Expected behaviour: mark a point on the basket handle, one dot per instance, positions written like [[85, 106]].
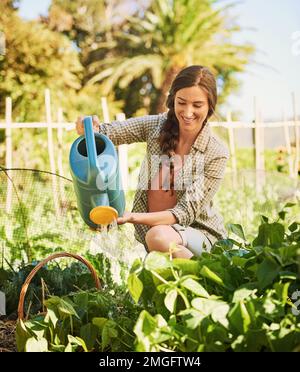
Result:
[[41, 264]]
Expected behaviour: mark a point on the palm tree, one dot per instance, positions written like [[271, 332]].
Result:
[[167, 37]]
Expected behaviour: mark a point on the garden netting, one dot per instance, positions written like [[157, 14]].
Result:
[[39, 216]]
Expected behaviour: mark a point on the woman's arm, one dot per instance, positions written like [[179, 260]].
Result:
[[126, 131], [151, 219]]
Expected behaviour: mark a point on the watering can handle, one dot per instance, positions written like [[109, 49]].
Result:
[[90, 144]]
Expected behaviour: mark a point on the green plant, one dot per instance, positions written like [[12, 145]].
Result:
[[83, 321], [235, 298], [55, 278]]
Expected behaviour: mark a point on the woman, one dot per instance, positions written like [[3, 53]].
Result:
[[182, 170]]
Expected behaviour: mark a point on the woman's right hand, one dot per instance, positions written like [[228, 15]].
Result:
[[80, 126]]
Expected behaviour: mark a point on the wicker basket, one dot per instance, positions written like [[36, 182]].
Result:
[[41, 264]]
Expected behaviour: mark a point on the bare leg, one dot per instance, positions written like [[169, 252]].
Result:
[[158, 238]]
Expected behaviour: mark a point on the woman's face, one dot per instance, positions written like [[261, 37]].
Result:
[[191, 108]]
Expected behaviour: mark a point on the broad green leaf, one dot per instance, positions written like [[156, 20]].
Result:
[[81, 299], [237, 230], [289, 205], [77, 341], [192, 317], [207, 273], [51, 316], [186, 266], [135, 287], [136, 266], [270, 235], [267, 271], [206, 306], [88, 333], [69, 348], [34, 345], [170, 300], [253, 341], [239, 318], [282, 291], [265, 219], [219, 314], [109, 332], [145, 324], [22, 335], [239, 261], [64, 307], [99, 322], [195, 287], [243, 293], [282, 215], [157, 261]]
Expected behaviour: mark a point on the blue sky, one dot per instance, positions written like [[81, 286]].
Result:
[[273, 26]]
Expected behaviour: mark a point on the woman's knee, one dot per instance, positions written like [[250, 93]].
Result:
[[159, 237]]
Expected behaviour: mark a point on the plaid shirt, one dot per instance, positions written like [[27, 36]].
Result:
[[195, 185]]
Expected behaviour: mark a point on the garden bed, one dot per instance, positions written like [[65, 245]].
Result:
[[7, 335]]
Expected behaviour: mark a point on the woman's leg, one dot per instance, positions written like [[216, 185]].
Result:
[[158, 238]]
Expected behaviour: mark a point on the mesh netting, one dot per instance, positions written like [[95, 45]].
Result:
[[39, 216]]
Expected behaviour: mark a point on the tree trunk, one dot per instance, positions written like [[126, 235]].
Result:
[[164, 90]]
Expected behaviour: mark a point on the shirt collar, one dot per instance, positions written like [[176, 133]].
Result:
[[202, 138]]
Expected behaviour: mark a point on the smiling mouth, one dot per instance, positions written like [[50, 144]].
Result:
[[187, 121]]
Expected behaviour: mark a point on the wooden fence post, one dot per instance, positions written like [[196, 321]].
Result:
[[297, 136], [258, 162], [59, 153], [8, 155], [105, 110], [232, 149], [288, 144], [123, 158], [51, 149]]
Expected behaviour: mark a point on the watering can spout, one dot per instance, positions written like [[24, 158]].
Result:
[[102, 213]]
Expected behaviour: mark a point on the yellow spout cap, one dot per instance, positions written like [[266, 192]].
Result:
[[103, 215]]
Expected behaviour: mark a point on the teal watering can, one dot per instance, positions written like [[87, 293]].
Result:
[[96, 177]]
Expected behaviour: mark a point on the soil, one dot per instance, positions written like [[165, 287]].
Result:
[[7, 335]]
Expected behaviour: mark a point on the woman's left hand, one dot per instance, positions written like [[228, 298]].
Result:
[[127, 217]]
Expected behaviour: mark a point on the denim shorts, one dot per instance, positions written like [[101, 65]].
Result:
[[194, 240]]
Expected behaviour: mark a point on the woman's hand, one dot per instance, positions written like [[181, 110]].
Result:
[[127, 217], [80, 126]]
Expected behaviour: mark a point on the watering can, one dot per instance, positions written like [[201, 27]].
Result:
[[96, 178]]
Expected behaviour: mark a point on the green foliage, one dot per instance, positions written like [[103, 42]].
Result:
[[235, 298], [53, 278], [36, 58], [83, 321]]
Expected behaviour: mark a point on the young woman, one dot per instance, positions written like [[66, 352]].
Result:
[[182, 170]]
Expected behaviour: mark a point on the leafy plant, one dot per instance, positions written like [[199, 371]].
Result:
[[83, 321], [235, 298], [53, 279]]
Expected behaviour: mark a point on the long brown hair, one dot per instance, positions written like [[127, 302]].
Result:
[[188, 77]]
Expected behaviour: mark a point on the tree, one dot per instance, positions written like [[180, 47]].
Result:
[[171, 34], [36, 58], [93, 26]]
